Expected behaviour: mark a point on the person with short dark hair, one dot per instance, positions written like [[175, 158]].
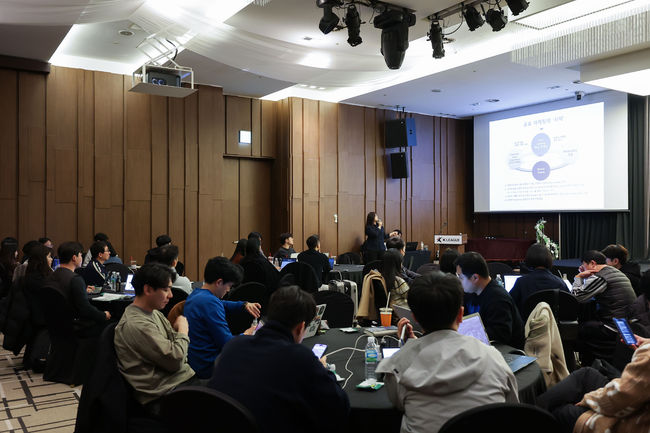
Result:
[[168, 255], [151, 353], [266, 371], [397, 243], [286, 247], [612, 292], [206, 314], [540, 261], [95, 273], [163, 240], [617, 257], [498, 312], [89, 320], [447, 260], [314, 258], [47, 242], [443, 373]]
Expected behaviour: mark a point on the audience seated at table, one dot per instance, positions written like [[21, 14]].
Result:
[[151, 353], [286, 247], [282, 383], [540, 261], [8, 262], [317, 260], [617, 256], [89, 320], [112, 258], [95, 273], [443, 373], [168, 256], [613, 293], [589, 402], [448, 260], [498, 312], [397, 243], [254, 255], [240, 251], [390, 270], [206, 314], [638, 313]]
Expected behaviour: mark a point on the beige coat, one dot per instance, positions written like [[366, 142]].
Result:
[[543, 342], [367, 308], [623, 405]]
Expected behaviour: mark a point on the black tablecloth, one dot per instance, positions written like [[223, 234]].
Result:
[[115, 307], [348, 272], [372, 410]]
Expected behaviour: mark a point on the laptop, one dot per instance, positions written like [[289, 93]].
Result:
[[406, 312], [509, 281], [472, 325], [128, 287], [411, 246], [312, 328], [285, 262], [294, 255]]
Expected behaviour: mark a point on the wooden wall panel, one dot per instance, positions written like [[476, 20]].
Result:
[[176, 125], [159, 169], [268, 128], [9, 152], [191, 185], [85, 158], [328, 168], [230, 232], [238, 117], [296, 172], [255, 201], [311, 169]]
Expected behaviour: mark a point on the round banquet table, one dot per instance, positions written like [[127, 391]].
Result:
[[347, 272], [372, 411]]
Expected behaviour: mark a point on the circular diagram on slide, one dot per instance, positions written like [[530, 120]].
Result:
[[543, 154]]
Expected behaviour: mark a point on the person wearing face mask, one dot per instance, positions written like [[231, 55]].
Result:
[[484, 296]]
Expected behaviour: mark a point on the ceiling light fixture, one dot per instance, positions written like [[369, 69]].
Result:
[[517, 6], [495, 18], [473, 18], [353, 21], [436, 38], [330, 19], [394, 25]]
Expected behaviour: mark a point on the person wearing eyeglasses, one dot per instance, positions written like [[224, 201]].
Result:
[[95, 273]]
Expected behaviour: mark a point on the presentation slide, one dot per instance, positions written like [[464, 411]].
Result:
[[560, 156], [550, 160]]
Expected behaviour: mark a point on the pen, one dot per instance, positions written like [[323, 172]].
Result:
[[401, 338]]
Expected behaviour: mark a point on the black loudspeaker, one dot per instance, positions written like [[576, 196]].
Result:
[[400, 133], [398, 166]]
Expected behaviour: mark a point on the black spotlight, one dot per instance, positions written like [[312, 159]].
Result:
[[353, 21], [517, 6], [329, 20], [473, 18], [495, 18], [394, 25], [437, 42]]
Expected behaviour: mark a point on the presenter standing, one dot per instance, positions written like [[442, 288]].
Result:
[[374, 247]]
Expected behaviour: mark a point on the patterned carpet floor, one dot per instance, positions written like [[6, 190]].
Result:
[[28, 404]]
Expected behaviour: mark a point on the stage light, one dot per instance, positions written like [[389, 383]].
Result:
[[473, 18], [329, 20], [517, 6], [437, 42], [495, 18], [394, 25], [353, 21]]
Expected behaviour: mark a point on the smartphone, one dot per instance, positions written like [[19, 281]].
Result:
[[625, 331], [319, 349]]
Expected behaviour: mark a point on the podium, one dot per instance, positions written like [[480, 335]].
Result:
[[456, 242]]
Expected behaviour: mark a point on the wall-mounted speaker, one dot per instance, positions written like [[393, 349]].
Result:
[[400, 133], [398, 165]]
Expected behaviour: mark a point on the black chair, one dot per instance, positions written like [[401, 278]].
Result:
[[427, 268], [340, 308], [178, 295], [304, 275], [565, 311], [122, 269], [376, 265], [193, 409], [414, 259], [107, 404], [348, 258], [499, 268], [251, 292], [381, 296], [255, 272], [70, 358], [503, 418]]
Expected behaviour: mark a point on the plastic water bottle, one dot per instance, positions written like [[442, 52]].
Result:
[[372, 358], [500, 280], [118, 282]]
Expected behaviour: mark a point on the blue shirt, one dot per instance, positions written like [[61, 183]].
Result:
[[209, 331]]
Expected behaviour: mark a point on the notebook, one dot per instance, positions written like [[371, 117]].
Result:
[[509, 281], [312, 328]]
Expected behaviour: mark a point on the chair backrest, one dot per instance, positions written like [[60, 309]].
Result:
[[340, 308], [349, 258], [254, 273], [414, 259], [198, 406], [175, 312], [380, 295], [178, 295], [376, 265], [251, 292], [498, 268], [304, 274], [563, 304], [123, 270], [59, 317], [503, 418]]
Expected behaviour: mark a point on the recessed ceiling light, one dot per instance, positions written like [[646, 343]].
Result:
[[307, 38], [321, 88], [553, 87], [492, 100], [475, 104], [302, 85], [436, 90], [577, 82], [312, 87], [125, 32]]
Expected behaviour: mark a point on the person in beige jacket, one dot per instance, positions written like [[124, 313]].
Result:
[[587, 402]]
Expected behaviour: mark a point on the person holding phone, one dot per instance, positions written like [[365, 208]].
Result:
[[374, 247], [589, 402]]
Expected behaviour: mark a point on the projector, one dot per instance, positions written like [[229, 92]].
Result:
[[162, 76], [158, 80]]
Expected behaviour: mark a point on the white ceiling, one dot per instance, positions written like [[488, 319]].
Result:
[[278, 48]]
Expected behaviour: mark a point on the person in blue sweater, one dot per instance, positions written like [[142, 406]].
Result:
[[206, 314]]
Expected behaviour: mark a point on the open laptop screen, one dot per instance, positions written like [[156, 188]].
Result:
[[509, 281], [473, 326]]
